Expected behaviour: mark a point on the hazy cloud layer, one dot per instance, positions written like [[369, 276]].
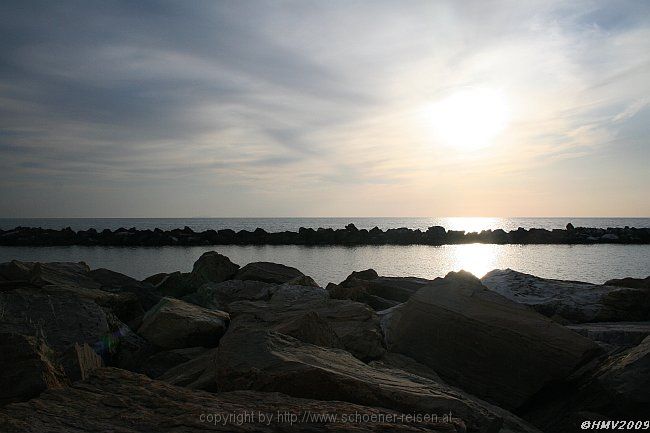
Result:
[[319, 108]]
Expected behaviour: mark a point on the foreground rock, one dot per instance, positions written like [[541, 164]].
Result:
[[175, 324], [258, 359], [114, 400], [571, 301], [614, 388], [477, 339], [378, 292]]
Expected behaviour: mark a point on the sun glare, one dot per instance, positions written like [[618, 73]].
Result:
[[470, 118]]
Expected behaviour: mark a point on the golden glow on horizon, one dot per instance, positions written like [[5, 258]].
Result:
[[470, 118]]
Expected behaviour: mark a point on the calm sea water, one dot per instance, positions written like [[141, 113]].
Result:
[[592, 263], [281, 224]]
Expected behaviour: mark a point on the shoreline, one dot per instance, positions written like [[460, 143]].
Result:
[[350, 235]]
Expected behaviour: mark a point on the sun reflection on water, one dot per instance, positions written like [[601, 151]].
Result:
[[479, 259]]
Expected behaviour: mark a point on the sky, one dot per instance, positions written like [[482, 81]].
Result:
[[324, 108]]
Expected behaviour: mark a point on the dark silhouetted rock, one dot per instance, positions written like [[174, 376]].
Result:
[[27, 368], [634, 283], [220, 295], [212, 267], [159, 363], [175, 324], [310, 328]]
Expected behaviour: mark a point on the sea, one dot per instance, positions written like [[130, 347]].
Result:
[[590, 263]]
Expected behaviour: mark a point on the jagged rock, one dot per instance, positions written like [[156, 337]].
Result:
[[634, 283], [157, 364], [258, 359], [116, 400], [126, 348], [359, 293], [355, 324], [618, 334], [488, 345], [397, 289], [79, 360], [212, 267], [268, 272], [571, 301], [380, 293], [175, 324], [27, 368]]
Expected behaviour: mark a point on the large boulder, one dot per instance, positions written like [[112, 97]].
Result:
[[212, 267], [61, 317], [259, 359], [175, 324], [378, 292], [125, 296], [634, 283], [571, 301], [268, 272], [220, 295], [113, 400], [488, 345], [28, 368], [616, 387]]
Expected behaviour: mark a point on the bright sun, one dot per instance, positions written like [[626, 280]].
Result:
[[470, 118]]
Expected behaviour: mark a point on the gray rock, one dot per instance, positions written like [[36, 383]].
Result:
[[488, 345], [571, 301], [619, 334], [268, 272], [220, 295]]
